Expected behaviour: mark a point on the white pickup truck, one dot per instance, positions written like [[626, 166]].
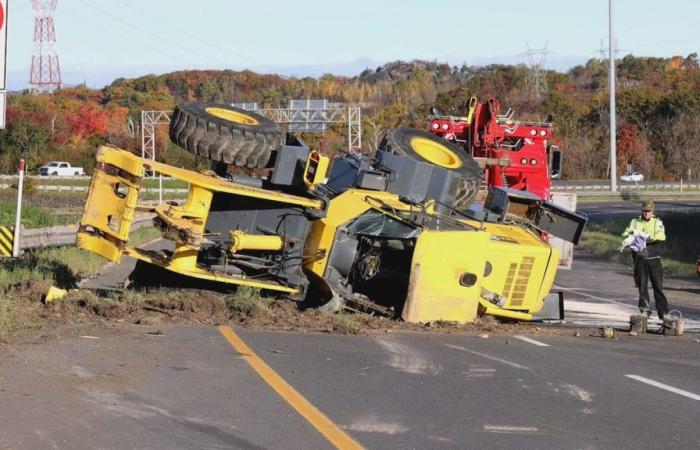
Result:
[[61, 169]]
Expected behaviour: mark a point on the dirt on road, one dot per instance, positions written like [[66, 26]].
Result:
[[37, 321], [33, 320]]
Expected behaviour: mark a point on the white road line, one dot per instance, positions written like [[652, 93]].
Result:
[[507, 429], [665, 387], [531, 341], [577, 292], [577, 289], [492, 358]]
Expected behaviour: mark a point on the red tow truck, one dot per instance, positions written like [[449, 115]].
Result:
[[514, 153]]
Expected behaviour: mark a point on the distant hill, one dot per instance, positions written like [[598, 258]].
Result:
[[658, 108]]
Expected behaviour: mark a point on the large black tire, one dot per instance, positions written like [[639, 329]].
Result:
[[225, 134], [426, 147]]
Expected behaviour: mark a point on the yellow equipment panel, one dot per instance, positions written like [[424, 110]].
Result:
[[446, 275]]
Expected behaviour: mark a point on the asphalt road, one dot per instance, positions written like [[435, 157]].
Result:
[[188, 388], [172, 387]]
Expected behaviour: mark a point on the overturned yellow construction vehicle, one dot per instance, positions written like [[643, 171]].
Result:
[[385, 234]]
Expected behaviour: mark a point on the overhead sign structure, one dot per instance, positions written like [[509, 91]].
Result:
[[3, 44]]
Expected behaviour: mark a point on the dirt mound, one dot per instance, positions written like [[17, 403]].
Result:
[[244, 308], [33, 290]]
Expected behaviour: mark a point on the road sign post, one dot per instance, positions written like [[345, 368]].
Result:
[[3, 59], [18, 214]]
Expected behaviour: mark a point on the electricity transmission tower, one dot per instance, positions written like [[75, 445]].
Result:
[[536, 59], [604, 53], [45, 71]]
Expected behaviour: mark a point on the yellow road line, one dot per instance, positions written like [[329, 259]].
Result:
[[316, 418]]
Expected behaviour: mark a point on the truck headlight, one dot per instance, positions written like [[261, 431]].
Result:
[[494, 298]]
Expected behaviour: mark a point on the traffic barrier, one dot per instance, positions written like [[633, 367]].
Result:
[[7, 240], [61, 235], [53, 188], [677, 187]]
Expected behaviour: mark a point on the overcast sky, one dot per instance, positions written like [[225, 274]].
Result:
[[98, 40]]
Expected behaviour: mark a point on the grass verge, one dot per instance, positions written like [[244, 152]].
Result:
[[600, 242], [34, 217], [60, 266]]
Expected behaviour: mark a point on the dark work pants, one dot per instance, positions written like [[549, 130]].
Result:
[[645, 270]]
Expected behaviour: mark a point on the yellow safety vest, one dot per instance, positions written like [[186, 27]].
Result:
[[654, 227]]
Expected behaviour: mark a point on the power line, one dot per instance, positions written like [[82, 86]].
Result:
[[603, 51], [178, 45], [188, 34], [121, 36]]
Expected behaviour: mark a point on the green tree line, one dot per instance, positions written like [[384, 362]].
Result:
[[658, 105]]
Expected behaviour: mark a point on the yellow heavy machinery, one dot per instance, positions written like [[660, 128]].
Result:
[[378, 234]]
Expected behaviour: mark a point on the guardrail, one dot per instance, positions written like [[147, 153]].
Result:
[[46, 177], [680, 187], [57, 236], [59, 188]]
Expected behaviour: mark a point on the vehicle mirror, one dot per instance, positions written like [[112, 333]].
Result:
[[555, 167]]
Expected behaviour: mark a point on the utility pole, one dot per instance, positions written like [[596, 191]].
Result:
[[611, 79]]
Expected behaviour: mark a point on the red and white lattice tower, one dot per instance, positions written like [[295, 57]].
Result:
[[45, 71]]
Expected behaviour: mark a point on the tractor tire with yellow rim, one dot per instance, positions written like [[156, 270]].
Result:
[[426, 147], [225, 134]]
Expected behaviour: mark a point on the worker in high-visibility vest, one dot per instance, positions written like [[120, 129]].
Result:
[[648, 231]]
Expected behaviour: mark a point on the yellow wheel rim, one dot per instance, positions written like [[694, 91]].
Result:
[[436, 153], [232, 116]]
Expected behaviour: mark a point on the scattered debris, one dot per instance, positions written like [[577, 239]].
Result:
[[638, 323], [148, 320], [607, 332], [53, 294], [155, 333], [246, 308], [673, 326]]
